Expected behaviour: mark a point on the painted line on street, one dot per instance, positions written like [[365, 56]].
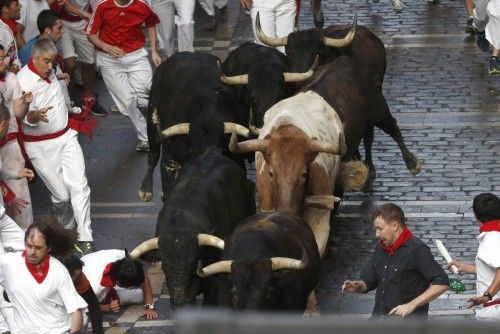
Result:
[[430, 35]]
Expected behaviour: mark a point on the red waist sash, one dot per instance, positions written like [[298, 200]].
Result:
[[10, 136], [492, 302], [35, 138]]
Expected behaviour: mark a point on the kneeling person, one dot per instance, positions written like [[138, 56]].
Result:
[[118, 280]]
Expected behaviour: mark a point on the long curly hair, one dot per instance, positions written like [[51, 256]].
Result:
[[61, 241]]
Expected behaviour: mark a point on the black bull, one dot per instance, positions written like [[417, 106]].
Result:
[[368, 56], [270, 262], [211, 197], [186, 91]]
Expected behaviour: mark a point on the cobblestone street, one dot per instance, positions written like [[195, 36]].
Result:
[[447, 106]]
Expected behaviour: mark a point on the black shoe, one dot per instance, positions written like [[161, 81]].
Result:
[[85, 247], [494, 66], [98, 111], [210, 24], [469, 28], [481, 41]]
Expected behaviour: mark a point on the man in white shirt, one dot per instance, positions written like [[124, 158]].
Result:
[[117, 280], [51, 142], [29, 13], [8, 41], [11, 153], [486, 209], [39, 286]]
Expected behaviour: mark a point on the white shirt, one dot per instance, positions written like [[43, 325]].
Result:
[[11, 91], [9, 44], [487, 263], [39, 308], [95, 263], [29, 15], [44, 95]]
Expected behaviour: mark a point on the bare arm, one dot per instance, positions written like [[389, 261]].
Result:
[[113, 51], [73, 9], [428, 295], [492, 289], [354, 287], [76, 321], [154, 51], [148, 299]]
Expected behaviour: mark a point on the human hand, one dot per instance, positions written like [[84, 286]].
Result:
[[113, 51], [461, 266], [15, 206], [403, 310], [85, 15], [475, 301], [38, 115], [246, 3], [353, 287], [27, 98], [156, 58], [150, 314], [25, 172], [65, 77], [114, 306]]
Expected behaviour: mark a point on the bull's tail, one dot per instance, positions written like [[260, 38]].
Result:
[[353, 174]]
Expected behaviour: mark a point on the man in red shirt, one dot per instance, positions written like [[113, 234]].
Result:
[[115, 29]]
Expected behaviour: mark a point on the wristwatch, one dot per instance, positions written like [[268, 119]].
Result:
[[487, 294], [149, 306]]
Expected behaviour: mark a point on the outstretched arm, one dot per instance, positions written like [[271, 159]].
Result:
[[428, 295]]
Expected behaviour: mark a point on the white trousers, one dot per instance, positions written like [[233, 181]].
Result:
[[60, 164], [172, 13], [493, 26], [128, 80], [480, 14], [209, 5], [277, 18], [12, 159], [11, 239]]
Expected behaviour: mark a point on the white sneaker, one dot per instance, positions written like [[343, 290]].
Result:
[[397, 6], [114, 108]]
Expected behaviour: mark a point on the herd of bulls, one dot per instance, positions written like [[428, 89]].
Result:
[[303, 116]]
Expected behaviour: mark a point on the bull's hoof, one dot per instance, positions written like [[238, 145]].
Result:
[[145, 196], [417, 168]]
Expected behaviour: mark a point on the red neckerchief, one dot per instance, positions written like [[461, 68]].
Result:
[[33, 69], [492, 225], [403, 237], [32, 268], [12, 25], [106, 280]]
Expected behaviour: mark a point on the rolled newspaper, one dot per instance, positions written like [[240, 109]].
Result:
[[446, 255]]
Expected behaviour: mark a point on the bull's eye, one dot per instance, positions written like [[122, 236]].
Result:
[[305, 174], [271, 174]]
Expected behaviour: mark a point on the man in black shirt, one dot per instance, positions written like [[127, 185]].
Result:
[[402, 268]]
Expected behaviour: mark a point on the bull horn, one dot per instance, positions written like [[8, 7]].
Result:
[[176, 130], [324, 202], [240, 130], [297, 77], [233, 80], [325, 147], [216, 268], [255, 130], [145, 247], [279, 263], [269, 41], [210, 240], [342, 42], [246, 146]]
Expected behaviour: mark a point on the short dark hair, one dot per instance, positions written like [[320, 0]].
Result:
[[486, 207], [129, 273], [46, 19], [390, 212], [5, 3], [61, 241], [1, 47]]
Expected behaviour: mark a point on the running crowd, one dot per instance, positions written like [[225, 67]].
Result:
[[46, 46]]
